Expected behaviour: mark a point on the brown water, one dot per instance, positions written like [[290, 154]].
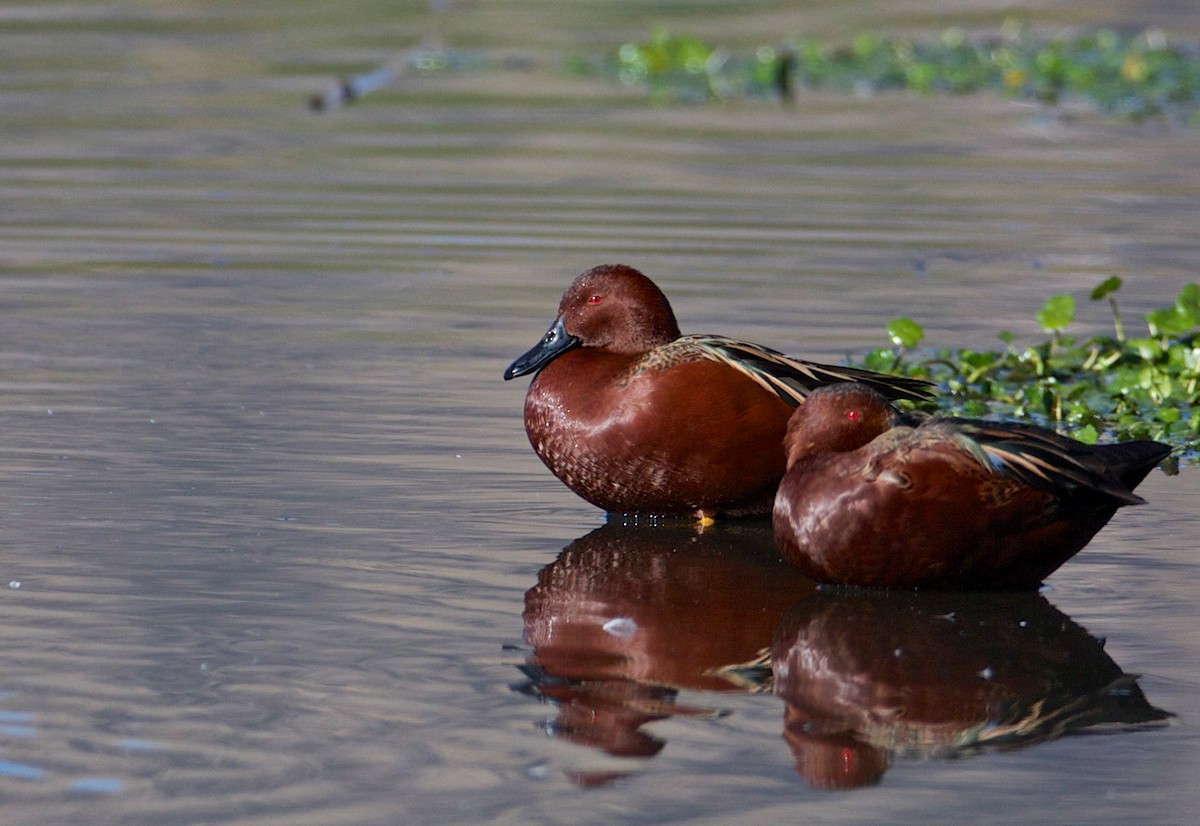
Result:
[[270, 516]]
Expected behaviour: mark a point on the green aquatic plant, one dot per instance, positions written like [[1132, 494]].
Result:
[[1137, 76], [1128, 388], [669, 60]]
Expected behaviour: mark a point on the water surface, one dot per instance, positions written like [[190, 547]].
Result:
[[277, 550]]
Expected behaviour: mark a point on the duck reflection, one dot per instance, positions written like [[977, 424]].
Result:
[[628, 616], [871, 677]]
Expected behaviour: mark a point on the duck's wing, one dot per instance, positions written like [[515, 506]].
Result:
[[1048, 460], [792, 379]]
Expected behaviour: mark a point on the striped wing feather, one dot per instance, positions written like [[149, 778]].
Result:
[[1045, 459], [792, 379]]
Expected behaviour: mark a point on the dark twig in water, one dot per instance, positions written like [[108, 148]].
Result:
[[785, 69], [352, 88], [429, 57]]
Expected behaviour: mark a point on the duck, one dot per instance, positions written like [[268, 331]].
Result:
[[637, 418], [876, 498]]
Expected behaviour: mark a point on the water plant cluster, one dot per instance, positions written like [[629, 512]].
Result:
[[1139, 386], [1134, 75]]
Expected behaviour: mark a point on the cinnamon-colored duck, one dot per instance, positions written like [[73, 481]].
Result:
[[875, 498], [636, 418]]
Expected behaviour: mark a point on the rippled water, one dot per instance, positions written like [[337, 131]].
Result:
[[276, 549]]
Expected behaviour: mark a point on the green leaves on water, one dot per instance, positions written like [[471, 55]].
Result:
[[669, 60], [1146, 387], [1133, 75]]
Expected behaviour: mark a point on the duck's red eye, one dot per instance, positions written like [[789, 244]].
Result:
[[852, 415], [595, 298]]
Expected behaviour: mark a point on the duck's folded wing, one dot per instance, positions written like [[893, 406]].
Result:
[[792, 379], [1045, 459]]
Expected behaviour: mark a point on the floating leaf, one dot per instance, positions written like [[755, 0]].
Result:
[[1106, 287], [1172, 321], [1056, 313], [1188, 302], [1147, 349], [904, 332]]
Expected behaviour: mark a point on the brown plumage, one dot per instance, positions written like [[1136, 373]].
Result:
[[869, 678], [636, 418], [874, 498]]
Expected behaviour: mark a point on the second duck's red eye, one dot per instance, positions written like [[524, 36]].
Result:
[[596, 298], [852, 415]]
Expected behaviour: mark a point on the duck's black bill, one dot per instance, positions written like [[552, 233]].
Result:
[[556, 342]]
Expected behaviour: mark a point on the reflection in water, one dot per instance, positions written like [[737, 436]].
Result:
[[868, 677], [626, 616]]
